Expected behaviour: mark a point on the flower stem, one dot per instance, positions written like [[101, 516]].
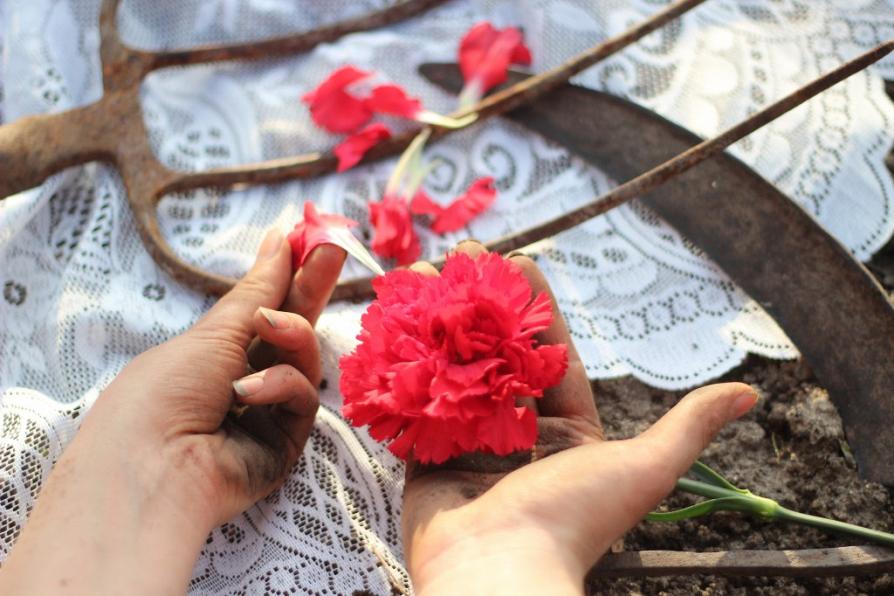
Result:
[[723, 496], [832, 525], [410, 156]]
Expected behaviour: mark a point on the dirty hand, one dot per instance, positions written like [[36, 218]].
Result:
[[534, 523], [159, 461]]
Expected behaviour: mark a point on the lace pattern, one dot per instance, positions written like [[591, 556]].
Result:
[[80, 297]]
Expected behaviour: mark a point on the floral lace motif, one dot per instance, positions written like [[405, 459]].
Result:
[[80, 297]]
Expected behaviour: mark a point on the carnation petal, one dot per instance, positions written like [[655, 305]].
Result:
[[350, 151], [325, 228], [314, 229], [485, 54], [392, 99], [475, 201], [394, 236], [332, 107], [508, 430]]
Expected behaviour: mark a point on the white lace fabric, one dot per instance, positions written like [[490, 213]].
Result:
[[81, 297]]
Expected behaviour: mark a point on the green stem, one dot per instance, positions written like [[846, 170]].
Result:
[[839, 527], [723, 496]]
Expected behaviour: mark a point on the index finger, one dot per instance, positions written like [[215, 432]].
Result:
[[308, 294]]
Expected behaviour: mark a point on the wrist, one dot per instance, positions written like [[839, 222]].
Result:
[[517, 561], [110, 519]]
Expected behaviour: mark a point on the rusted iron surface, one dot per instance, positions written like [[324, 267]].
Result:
[[112, 129], [820, 562], [776, 252], [527, 90]]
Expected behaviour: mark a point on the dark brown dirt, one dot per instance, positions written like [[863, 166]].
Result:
[[791, 448]]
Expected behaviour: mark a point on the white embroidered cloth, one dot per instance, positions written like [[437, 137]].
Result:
[[81, 297]]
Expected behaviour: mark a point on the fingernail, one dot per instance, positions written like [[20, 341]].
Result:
[[270, 245], [744, 402], [275, 319], [516, 253], [248, 385]]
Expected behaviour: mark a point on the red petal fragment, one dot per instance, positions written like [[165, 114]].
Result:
[[509, 429], [333, 108], [392, 99], [350, 151], [485, 54], [476, 200], [394, 236]]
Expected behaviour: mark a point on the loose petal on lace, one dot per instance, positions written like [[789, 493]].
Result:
[[333, 108], [442, 360], [350, 151], [476, 200]]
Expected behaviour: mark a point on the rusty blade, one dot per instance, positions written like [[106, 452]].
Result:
[[775, 251]]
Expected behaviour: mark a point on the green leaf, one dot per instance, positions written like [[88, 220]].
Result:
[[706, 474], [700, 509]]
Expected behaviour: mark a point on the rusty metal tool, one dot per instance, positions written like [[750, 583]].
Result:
[[781, 257], [112, 129]]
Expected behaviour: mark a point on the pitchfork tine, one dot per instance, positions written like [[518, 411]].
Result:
[[293, 44], [317, 163]]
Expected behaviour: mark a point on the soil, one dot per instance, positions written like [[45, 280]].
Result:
[[791, 448]]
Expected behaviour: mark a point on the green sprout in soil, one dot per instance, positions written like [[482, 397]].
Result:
[[726, 497]]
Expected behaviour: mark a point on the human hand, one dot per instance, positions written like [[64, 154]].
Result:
[[159, 460], [536, 522]]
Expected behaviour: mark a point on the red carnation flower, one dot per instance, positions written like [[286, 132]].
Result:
[[485, 54], [442, 360], [462, 210], [350, 151], [333, 108], [394, 236], [315, 229]]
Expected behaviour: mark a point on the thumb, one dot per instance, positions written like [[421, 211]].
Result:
[[682, 434], [314, 282], [265, 284], [627, 479]]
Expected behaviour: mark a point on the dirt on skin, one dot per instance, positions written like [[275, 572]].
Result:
[[791, 448]]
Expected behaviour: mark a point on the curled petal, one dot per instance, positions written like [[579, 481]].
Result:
[[322, 228], [350, 151], [315, 229], [333, 108]]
